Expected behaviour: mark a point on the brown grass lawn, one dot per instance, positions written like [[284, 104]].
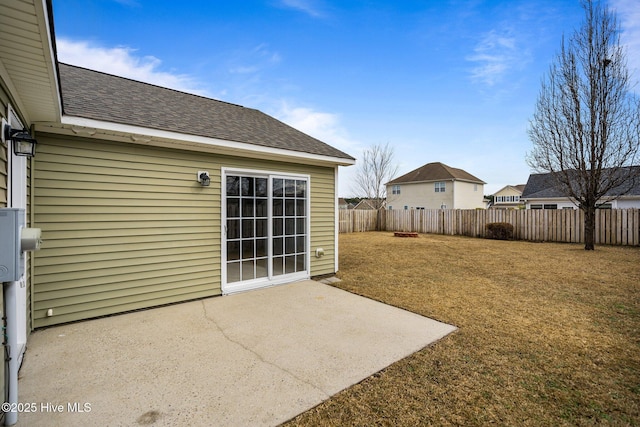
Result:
[[549, 334]]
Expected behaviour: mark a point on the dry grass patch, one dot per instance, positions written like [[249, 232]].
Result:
[[549, 334]]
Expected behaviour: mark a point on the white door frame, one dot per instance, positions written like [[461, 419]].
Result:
[[17, 198], [270, 280]]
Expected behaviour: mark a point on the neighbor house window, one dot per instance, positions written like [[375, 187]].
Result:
[[536, 206], [395, 189], [554, 206], [440, 187]]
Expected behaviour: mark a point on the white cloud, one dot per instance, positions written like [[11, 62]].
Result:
[[628, 12], [324, 126], [260, 57], [123, 61], [310, 7], [495, 55], [327, 128]]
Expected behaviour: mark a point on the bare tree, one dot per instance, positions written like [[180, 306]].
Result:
[[585, 130], [376, 168]]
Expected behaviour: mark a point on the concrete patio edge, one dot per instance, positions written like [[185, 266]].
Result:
[[256, 358]]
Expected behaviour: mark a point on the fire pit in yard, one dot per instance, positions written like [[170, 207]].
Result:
[[404, 234]]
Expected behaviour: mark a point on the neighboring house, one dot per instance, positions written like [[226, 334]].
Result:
[[508, 197], [436, 186], [542, 192], [147, 195], [367, 204], [343, 204]]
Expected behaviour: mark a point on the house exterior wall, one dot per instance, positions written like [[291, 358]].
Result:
[[4, 180], [507, 192], [625, 202], [128, 226], [420, 195], [457, 195], [4, 165], [468, 195]]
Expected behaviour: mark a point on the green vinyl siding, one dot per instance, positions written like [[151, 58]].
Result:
[[4, 165], [128, 226]]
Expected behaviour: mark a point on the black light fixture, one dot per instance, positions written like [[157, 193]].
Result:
[[23, 143], [203, 178]]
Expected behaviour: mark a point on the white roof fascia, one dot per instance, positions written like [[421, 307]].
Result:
[[49, 55], [149, 136]]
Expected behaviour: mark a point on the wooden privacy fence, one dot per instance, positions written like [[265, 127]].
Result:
[[613, 226]]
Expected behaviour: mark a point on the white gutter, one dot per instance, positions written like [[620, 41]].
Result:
[[140, 135]]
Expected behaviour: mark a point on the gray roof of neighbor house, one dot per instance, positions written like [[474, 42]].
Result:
[[435, 172], [544, 186], [99, 96]]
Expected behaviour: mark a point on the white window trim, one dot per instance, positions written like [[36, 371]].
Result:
[[261, 282]]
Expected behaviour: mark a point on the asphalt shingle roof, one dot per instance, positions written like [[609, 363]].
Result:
[[435, 172], [99, 96], [543, 186]]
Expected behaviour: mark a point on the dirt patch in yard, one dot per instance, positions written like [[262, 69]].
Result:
[[549, 334]]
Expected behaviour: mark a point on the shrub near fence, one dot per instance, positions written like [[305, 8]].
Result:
[[613, 226]]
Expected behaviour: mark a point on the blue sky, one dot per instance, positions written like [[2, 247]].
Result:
[[440, 81]]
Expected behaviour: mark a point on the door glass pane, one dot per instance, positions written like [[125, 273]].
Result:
[[247, 249], [278, 267], [278, 246], [246, 186], [290, 207], [233, 208], [301, 188], [262, 267], [233, 272], [277, 207], [278, 227], [289, 188], [261, 187], [261, 228], [261, 207], [233, 250], [261, 248], [300, 210], [233, 229], [290, 245], [247, 228], [300, 262], [247, 270], [266, 227], [290, 226], [247, 207], [278, 187], [290, 264], [233, 186]]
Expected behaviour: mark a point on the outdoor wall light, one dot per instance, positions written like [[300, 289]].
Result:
[[203, 178], [23, 143]]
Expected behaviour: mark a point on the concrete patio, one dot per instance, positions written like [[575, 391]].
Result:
[[252, 359]]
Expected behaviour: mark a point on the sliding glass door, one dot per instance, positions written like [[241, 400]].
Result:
[[265, 232]]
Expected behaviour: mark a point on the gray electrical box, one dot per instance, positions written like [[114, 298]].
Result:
[[15, 240]]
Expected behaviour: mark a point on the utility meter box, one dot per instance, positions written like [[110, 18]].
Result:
[[15, 240]]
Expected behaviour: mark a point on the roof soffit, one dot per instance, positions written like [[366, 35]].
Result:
[[27, 60]]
